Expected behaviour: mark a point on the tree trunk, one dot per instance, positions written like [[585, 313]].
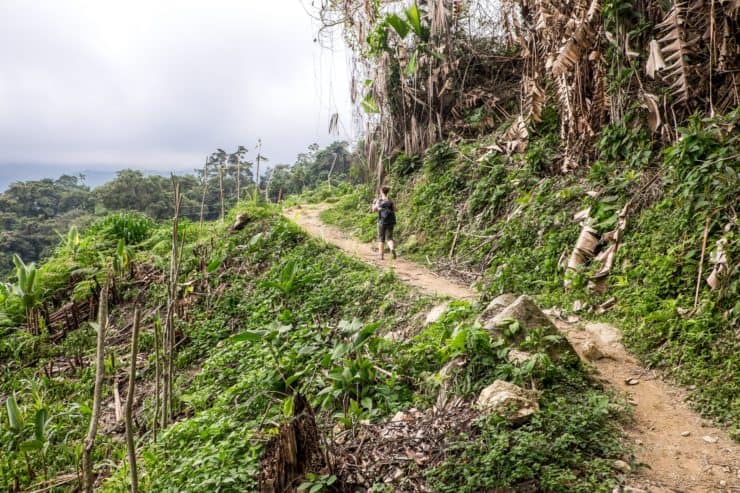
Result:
[[87, 474], [221, 186], [169, 331], [328, 178], [257, 177], [205, 188], [130, 405], [238, 179], [157, 374]]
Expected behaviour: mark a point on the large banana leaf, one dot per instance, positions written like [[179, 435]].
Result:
[[15, 418]]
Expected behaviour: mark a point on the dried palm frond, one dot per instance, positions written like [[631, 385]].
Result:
[[677, 48], [600, 99], [655, 62], [581, 40], [534, 100], [721, 265], [333, 123], [516, 136], [650, 101], [567, 116]]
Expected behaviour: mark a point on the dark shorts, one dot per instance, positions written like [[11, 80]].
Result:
[[385, 232]]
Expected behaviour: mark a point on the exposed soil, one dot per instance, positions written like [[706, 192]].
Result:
[[676, 450]]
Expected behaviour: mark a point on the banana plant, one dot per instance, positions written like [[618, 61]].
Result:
[[71, 241], [121, 258], [24, 288], [288, 279], [40, 440]]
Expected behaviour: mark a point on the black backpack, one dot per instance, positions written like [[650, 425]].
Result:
[[386, 214]]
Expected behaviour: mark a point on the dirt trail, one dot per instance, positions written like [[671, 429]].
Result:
[[307, 216], [682, 452]]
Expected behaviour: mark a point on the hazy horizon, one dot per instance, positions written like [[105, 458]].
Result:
[[99, 87]]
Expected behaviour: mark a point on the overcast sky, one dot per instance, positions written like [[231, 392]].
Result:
[[155, 84]]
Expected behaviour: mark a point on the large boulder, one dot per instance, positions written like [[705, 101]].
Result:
[[500, 313], [508, 400]]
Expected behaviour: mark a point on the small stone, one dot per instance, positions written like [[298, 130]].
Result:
[[723, 483], [710, 439], [639, 442], [578, 305], [591, 351], [685, 433], [632, 381], [436, 313], [517, 357], [621, 466]]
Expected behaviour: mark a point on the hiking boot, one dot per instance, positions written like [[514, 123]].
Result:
[[393, 254]]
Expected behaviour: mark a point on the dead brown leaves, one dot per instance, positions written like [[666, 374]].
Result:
[[398, 452]]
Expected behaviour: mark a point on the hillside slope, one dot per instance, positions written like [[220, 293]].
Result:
[[673, 442], [266, 315], [506, 224]]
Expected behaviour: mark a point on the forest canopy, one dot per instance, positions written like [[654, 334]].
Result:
[[35, 214]]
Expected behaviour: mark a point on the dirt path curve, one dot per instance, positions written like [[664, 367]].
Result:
[[307, 216], [682, 452]]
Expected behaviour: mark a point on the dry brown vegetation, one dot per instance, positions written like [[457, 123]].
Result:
[[424, 72]]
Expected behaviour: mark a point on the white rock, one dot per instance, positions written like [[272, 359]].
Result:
[[508, 400], [436, 313], [621, 466], [685, 433], [529, 316], [495, 307], [710, 439]]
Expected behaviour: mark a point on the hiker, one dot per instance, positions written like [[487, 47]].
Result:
[[386, 220]]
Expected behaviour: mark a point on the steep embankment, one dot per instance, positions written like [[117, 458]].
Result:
[[662, 221], [679, 451]]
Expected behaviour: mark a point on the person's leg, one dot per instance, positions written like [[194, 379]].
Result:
[[381, 240], [389, 237]]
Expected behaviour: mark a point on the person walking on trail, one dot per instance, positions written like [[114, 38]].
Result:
[[386, 221]]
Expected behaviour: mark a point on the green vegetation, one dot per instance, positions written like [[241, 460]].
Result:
[[511, 221], [286, 315], [34, 214]]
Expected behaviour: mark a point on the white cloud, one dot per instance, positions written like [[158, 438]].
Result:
[[160, 84]]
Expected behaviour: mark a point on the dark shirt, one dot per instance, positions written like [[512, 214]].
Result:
[[386, 212]]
